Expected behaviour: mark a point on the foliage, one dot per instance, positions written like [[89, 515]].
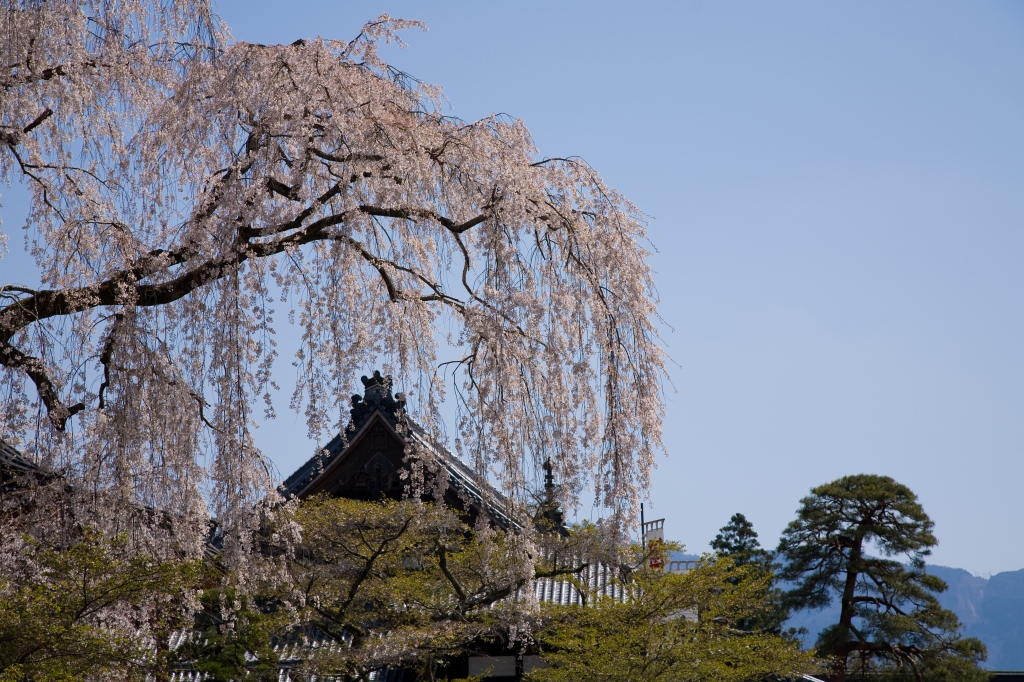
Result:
[[396, 584], [88, 610], [738, 541], [669, 627], [958, 665], [403, 583], [190, 193], [890, 617], [233, 637]]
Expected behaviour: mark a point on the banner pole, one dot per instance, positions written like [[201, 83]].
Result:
[[643, 540]]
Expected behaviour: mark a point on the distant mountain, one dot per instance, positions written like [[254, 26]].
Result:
[[991, 609]]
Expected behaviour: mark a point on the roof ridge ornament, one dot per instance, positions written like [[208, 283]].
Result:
[[549, 517], [376, 396]]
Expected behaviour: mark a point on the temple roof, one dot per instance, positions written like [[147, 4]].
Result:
[[12, 460], [378, 407], [15, 470]]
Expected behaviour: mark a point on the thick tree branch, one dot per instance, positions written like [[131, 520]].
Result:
[[48, 303], [47, 113], [57, 411], [406, 214], [125, 288], [442, 562], [369, 562], [492, 596]]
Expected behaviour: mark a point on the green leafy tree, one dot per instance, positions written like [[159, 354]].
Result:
[[669, 626], [75, 612], [233, 637], [350, 587], [890, 619], [405, 583]]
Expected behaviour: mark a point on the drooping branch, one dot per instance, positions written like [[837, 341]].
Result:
[[47, 113], [12, 139], [107, 355]]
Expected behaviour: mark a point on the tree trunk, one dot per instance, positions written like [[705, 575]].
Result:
[[841, 649]]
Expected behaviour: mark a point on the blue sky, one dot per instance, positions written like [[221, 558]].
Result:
[[837, 203]]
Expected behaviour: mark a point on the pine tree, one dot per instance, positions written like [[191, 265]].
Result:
[[738, 541], [890, 619]]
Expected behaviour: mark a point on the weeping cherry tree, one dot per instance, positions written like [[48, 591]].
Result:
[[191, 193]]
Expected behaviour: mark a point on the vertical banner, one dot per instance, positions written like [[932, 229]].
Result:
[[654, 536]]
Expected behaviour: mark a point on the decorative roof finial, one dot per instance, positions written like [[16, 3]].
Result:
[[549, 517], [376, 397]]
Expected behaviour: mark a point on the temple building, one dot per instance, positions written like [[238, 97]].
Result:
[[367, 461]]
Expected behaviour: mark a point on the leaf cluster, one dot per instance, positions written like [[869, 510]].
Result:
[[234, 636], [76, 612]]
